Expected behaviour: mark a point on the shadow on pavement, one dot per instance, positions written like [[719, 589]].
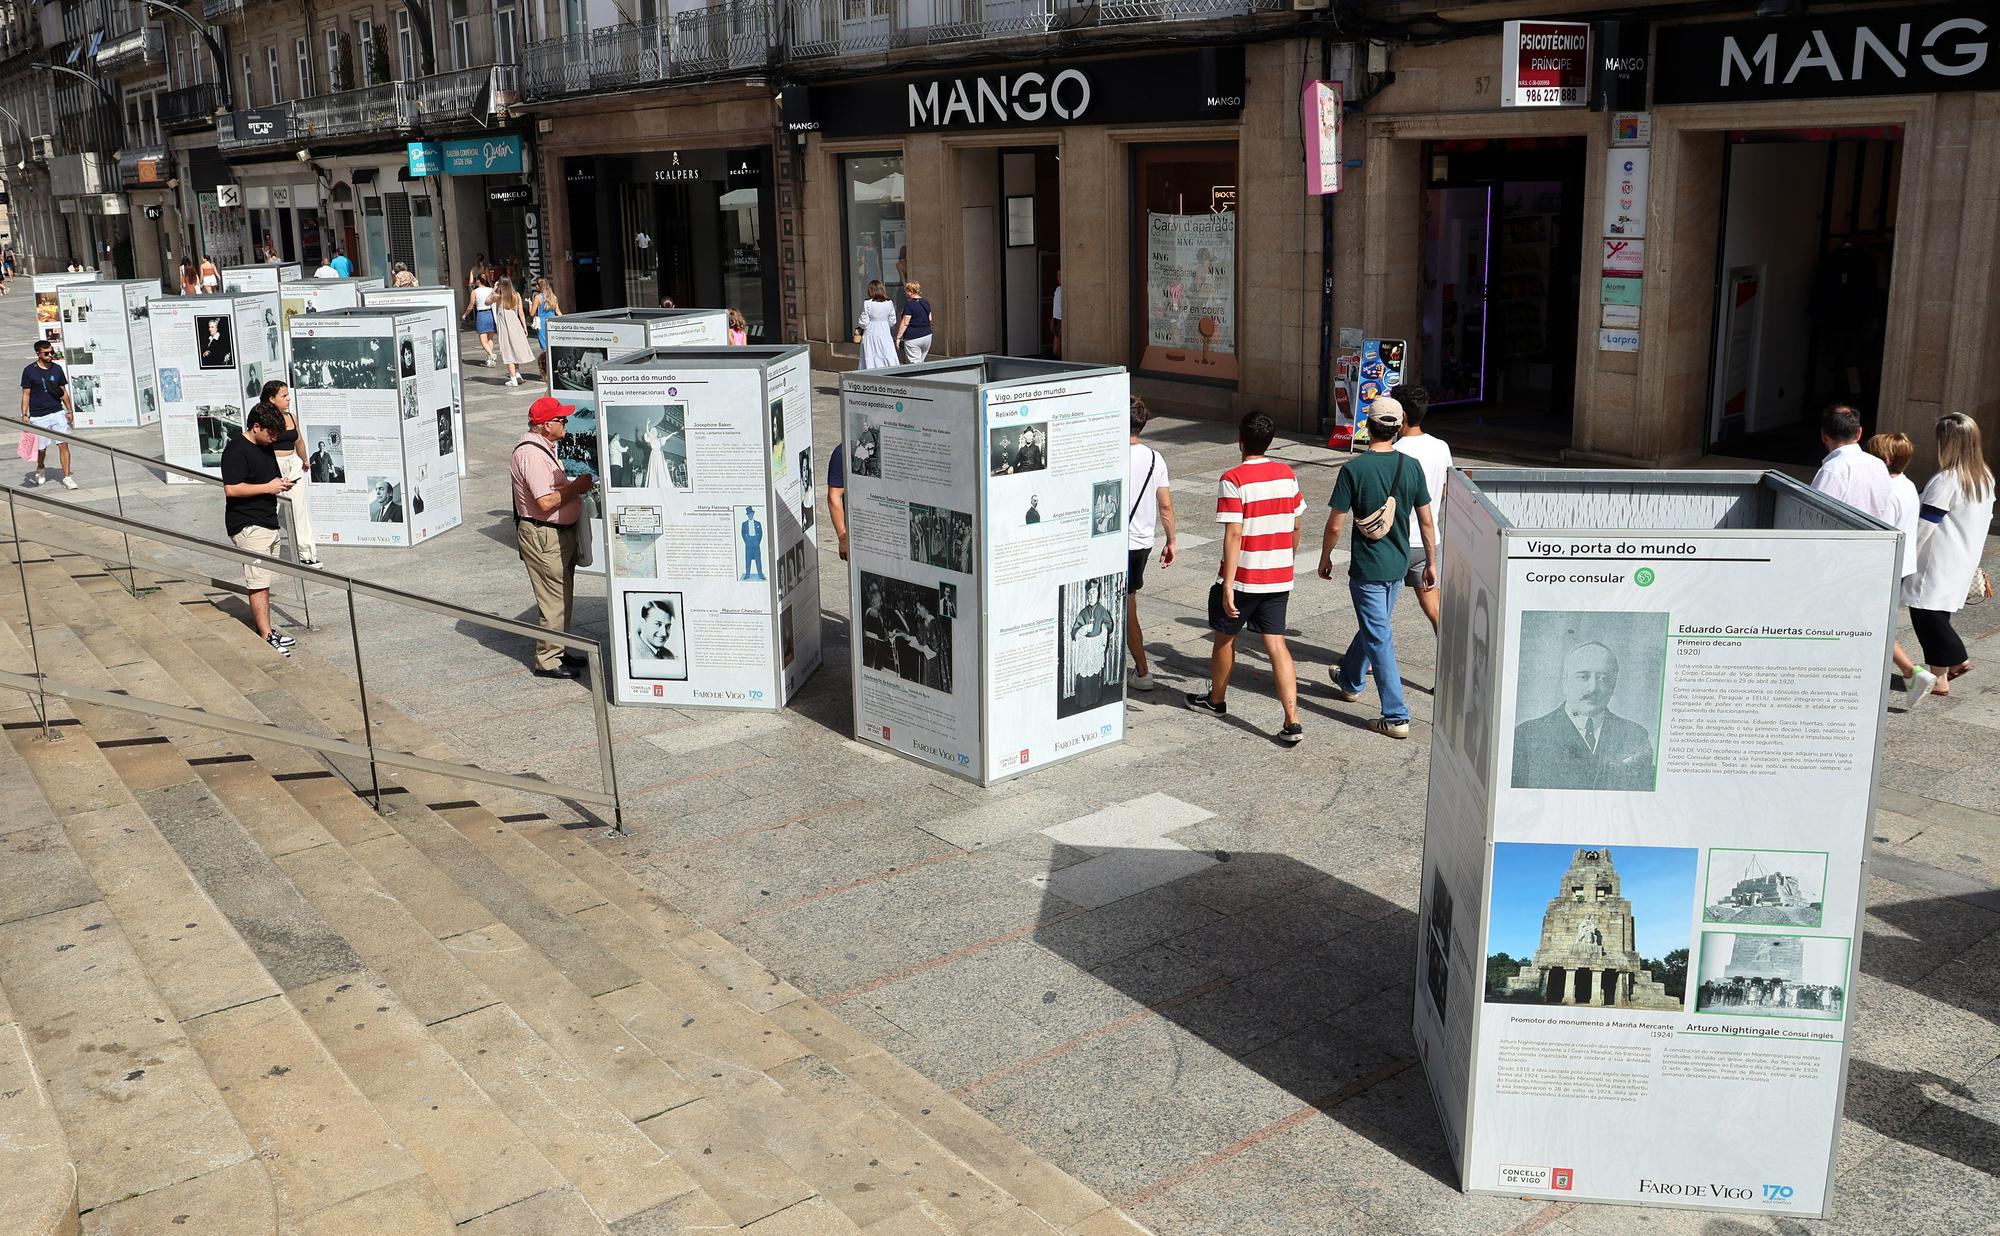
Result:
[[1296, 974]]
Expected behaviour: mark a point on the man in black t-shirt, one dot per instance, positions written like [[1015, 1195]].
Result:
[[45, 404], [251, 484]]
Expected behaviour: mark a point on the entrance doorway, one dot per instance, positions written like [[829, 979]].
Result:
[[1502, 230], [1011, 219], [1802, 282]]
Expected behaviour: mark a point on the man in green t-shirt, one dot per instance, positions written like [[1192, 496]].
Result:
[[1376, 568]]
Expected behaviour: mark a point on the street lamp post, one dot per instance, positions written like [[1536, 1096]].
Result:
[[214, 48]]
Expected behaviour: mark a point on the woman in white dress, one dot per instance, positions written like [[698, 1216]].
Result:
[[517, 347], [878, 319], [1957, 510]]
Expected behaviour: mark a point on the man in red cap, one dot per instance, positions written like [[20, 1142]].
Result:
[[547, 504]]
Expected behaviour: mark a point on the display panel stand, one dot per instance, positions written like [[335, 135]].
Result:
[[429, 296], [108, 351], [263, 277], [297, 296], [580, 342], [371, 390], [986, 554], [1652, 785], [48, 305], [211, 356], [706, 462]]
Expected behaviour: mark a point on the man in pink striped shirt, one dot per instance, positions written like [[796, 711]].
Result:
[[1258, 504]]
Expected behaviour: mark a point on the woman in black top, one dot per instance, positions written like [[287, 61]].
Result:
[[278, 397], [914, 331]]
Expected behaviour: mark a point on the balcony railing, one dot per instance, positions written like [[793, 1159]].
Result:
[[189, 108], [731, 37], [144, 46], [821, 28], [371, 109], [465, 95], [214, 10]]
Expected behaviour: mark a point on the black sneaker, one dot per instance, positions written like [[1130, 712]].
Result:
[[1292, 735], [557, 671], [1199, 701], [281, 644]]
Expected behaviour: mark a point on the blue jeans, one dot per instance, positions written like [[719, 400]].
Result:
[[1374, 603]]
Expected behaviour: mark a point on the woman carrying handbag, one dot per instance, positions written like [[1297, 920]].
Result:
[[1957, 511]]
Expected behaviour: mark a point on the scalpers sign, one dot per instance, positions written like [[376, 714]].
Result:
[[1904, 50]]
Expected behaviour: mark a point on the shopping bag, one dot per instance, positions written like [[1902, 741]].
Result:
[[27, 447]]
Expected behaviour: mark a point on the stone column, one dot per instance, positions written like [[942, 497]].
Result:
[[1596, 986], [1569, 985]]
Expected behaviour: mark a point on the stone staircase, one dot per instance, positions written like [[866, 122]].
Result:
[[234, 998]]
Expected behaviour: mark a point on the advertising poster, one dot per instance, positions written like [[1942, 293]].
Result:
[[1682, 761], [1191, 282], [714, 587], [263, 277], [375, 426], [212, 356], [1380, 371], [109, 352], [48, 306], [375, 296]]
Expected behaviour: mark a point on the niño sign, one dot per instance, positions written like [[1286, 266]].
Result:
[[1902, 50], [1175, 86]]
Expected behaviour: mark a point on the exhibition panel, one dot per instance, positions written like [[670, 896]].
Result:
[[371, 391], [108, 351], [212, 356], [1652, 786], [263, 277], [48, 306], [989, 640], [579, 343], [428, 296], [706, 458], [299, 296]]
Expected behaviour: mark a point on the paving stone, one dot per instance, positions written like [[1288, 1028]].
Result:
[[233, 1201], [411, 1206], [686, 1215], [420, 887], [813, 1217], [559, 1212], [43, 874], [747, 1181]]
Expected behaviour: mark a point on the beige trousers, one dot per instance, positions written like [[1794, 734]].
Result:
[[550, 556], [293, 469]]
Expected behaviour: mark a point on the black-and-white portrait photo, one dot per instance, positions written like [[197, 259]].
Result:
[[1773, 976], [139, 312], [329, 363], [1090, 644], [1768, 888], [904, 632], [83, 389], [1589, 690], [779, 455], [1106, 514], [1465, 664], [215, 341], [1018, 448], [411, 409], [656, 636], [253, 383], [806, 502], [941, 538], [948, 600], [406, 358], [148, 403], [791, 568], [213, 423], [572, 368], [1033, 515], [326, 461], [440, 355], [647, 448], [445, 443], [788, 645], [864, 449], [385, 501], [1437, 943], [271, 348]]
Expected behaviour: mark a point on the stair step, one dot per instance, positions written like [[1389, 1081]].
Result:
[[235, 1201], [745, 1179], [37, 1183], [409, 1206], [559, 1212]]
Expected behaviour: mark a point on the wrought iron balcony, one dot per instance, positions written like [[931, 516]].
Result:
[[465, 96], [827, 28], [215, 10], [734, 36], [189, 108], [266, 126], [387, 108], [135, 48]]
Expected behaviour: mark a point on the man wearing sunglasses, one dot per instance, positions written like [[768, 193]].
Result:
[[547, 505]]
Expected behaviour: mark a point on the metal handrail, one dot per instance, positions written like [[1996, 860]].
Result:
[[41, 684]]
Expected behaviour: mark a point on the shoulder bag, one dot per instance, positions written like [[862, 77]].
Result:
[[1381, 521]]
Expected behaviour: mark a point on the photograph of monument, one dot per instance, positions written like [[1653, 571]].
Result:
[[1612, 932], [1747, 975], [1770, 888]]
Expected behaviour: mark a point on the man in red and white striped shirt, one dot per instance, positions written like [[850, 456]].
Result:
[[1258, 503]]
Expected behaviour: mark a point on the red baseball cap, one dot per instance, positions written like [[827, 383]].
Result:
[[549, 408]]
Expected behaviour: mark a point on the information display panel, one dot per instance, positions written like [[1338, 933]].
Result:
[[372, 397], [706, 462], [108, 351], [428, 296], [1652, 787], [263, 277], [986, 510], [211, 356], [48, 305]]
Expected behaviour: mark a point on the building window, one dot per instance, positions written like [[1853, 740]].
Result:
[[336, 79], [364, 49], [506, 32], [277, 79], [461, 35], [302, 58], [249, 84], [1184, 261], [873, 224], [406, 46]]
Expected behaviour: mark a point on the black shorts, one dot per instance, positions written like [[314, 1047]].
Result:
[[1135, 568], [1260, 613]]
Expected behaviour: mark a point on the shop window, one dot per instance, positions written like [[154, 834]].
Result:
[[874, 225], [1184, 261]]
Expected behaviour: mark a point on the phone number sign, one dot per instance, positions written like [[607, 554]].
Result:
[[1545, 64]]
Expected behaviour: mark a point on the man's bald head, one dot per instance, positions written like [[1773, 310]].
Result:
[[1590, 678]]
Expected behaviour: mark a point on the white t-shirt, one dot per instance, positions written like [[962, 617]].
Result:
[[326, 271], [482, 297], [1905, 509], [1144, 508], [1856, 478], [1435, 457], [1055, 310], [1948, 551]]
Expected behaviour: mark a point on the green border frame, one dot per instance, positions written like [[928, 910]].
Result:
[[1846, 967], [1819, 924]]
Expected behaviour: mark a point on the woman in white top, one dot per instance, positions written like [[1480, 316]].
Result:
[[878, 316], [481, 313], [1895, 450], [1957, 511]]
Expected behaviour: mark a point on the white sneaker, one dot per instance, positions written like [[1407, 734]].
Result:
[[1140, 682], [491, 360], [33, 478], [514, 381], [68, 481], [1920, 684]]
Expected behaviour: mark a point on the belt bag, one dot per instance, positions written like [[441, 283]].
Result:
[[1379, 522]]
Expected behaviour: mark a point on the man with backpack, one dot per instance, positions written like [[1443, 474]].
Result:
[[1381, 488]]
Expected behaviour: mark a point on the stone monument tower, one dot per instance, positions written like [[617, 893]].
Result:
[[1767, 957], [1588, 952]]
